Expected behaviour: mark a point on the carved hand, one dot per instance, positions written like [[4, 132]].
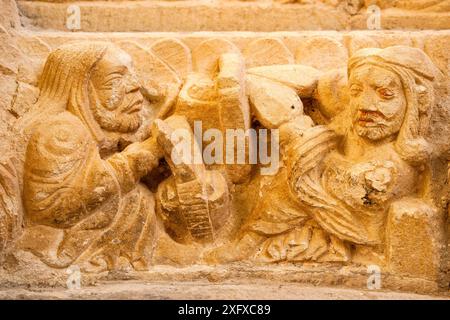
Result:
[[184, 170], [143, 156]]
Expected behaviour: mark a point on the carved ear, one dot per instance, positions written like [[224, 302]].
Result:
[[267, 51]]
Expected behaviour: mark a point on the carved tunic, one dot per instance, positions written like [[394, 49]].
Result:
[[368, 187], [90, 208]]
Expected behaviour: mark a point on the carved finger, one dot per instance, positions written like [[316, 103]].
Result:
[[175, 147]]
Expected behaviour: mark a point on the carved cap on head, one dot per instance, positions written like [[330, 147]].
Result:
[[402, 56], [68, 65], [63, 77], [63, 83]]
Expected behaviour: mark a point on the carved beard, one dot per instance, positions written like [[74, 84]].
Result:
[[115, 121], [384, 128], [374, 133]]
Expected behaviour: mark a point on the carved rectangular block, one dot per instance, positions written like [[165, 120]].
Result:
[[415, 240]]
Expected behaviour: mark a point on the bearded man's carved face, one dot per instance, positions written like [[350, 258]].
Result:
[[114, 95], [378, 102]]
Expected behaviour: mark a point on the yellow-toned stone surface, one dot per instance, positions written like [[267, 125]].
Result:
[[219, 15], [94, 178]]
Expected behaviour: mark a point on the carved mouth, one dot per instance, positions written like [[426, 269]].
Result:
[[134, 106], [366, 122], [370, 118]]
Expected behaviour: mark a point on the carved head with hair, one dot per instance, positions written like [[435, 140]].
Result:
[[392, 96], [95, 82]]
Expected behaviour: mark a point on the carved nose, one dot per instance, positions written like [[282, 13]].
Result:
[[370, 106], [368, 103]]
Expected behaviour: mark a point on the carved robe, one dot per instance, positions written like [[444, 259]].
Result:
[[79, 207]]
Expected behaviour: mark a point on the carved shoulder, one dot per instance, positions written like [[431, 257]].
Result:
[[59, 160], [62, 139]]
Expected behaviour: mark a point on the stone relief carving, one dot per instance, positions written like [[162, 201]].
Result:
[[100, 188], [80, 206], [82, 198], [343, 182], [214, 93]]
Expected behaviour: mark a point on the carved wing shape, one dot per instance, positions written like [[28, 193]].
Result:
[[267, 51], [275, 84], [272, 102], [161, 70], [206, 55], [315, 52], [177, 57], [302, 79], [328, 213], [175, 54]]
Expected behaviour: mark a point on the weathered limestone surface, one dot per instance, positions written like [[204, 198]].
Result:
[[264, 16], [91, 177], [199, 290], [405, 227]]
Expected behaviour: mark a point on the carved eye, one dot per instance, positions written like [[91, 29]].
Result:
[[385, 93], [112, 82], [355, 90]]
